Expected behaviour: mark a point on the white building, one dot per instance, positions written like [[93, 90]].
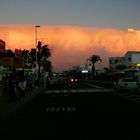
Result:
[[116, 61], [131, 57]]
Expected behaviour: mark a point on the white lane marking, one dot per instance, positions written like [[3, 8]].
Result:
[[60, 109], [77, 91], [65, 91], [73, 91], [59, 95], [80, 90], [94, 86], [129, 96], [57, 91]]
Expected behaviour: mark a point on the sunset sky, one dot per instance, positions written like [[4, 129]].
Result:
[[73, 29]]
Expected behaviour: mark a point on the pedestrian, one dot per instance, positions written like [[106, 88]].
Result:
[[11, 88], [22, 85]]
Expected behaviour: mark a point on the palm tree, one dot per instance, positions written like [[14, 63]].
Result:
[[46, 53], [43, 54], [32, 54], [94, 59], [25, 54], [48, 67]]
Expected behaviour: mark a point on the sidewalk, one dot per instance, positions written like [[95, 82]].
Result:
[[7, 106]]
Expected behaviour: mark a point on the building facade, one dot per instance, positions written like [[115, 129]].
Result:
[[116, 61], [130, 58], [2, 45]]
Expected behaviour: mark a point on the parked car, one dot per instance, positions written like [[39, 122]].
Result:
[[126, 84]]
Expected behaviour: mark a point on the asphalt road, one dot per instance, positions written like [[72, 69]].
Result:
[[83, 112]]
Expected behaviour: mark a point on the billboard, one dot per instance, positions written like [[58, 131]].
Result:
[[2, 46], [10, 62], [6, 61]]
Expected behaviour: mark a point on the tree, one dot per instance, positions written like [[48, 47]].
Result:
[[25, 54], [39, 45], [9, 53], [48, 66], [43, 54], [32, 54], [94, 59], [46, 53]]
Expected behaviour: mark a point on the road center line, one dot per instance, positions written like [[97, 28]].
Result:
[[94, 86]]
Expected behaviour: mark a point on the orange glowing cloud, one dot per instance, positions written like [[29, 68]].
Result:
[[72, 45]]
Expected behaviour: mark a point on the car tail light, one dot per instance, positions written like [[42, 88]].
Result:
[[71, 80]]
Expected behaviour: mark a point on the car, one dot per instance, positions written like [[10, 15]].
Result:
[[126, 84], [73, 81], [58, 82]]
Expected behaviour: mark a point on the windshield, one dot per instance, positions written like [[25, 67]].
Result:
[[61, 62]]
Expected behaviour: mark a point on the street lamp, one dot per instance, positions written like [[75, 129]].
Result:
[[37, 26]]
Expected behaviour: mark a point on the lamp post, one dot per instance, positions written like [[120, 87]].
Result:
[[37, 26]]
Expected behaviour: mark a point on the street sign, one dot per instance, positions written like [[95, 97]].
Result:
[[84, 71]]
